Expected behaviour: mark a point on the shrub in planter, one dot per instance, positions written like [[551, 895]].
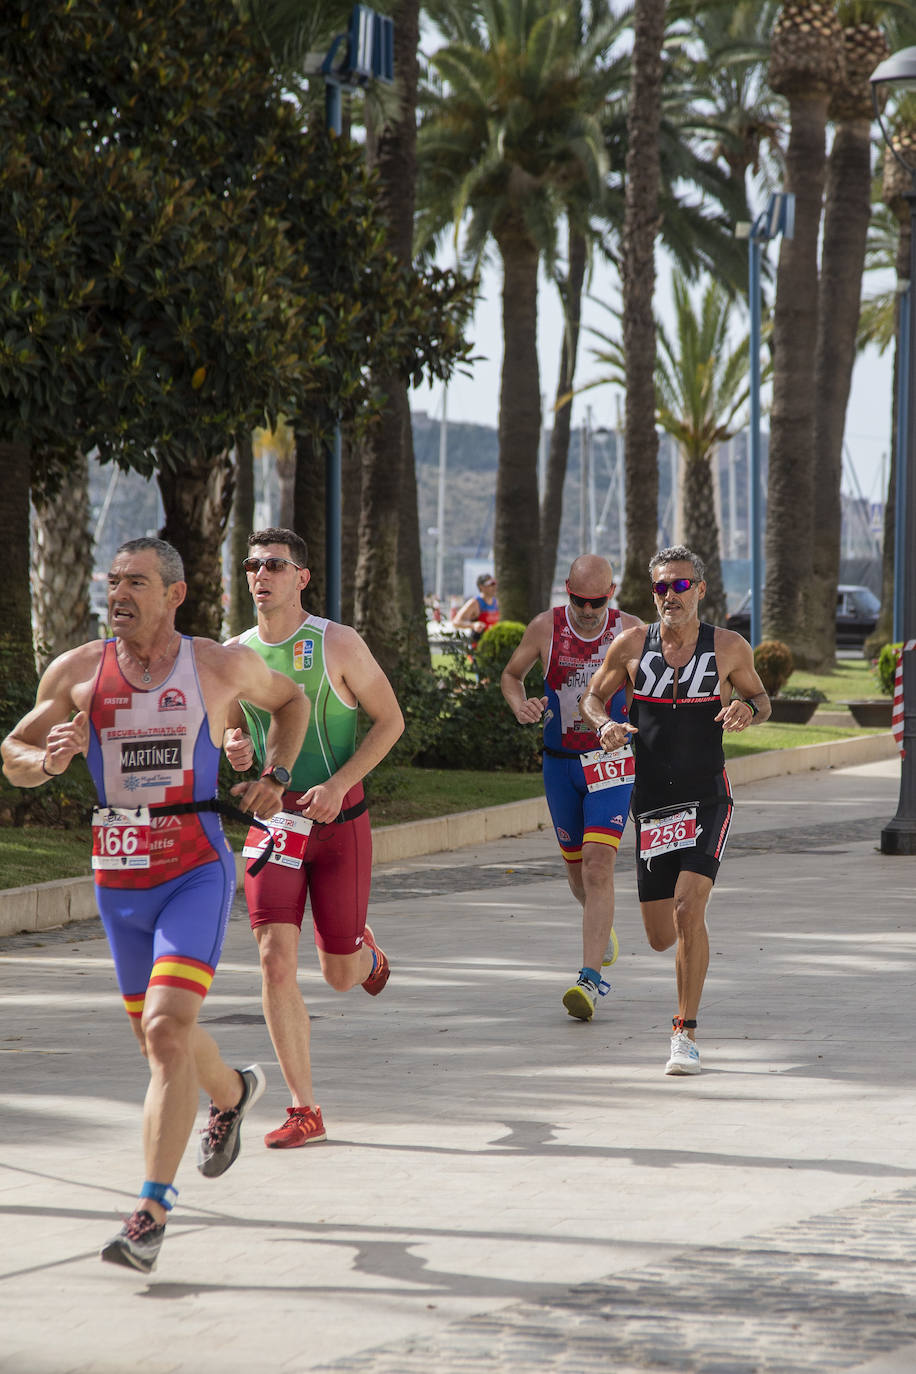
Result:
[[886, 668], [775, 665], [803, 694], [494, 649], [480, 731]]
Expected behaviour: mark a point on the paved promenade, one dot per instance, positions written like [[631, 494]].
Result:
[[503, 1188]]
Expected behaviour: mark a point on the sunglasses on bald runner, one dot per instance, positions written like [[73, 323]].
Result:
[[677, 584], [596, 602], [272, 565]]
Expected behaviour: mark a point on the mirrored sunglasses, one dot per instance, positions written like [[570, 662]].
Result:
[[273, 565], [678, 584]]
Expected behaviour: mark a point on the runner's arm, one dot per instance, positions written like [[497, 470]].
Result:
[[610, 677], [289, 716], [749, 705], [46, 739], [527, 710], [467, 616], [364, 679]]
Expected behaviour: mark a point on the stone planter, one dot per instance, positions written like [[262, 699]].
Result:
[[792, 710], [873, 713]]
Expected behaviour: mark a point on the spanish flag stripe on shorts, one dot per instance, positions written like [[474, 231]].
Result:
[[175, 972], [611, 837]]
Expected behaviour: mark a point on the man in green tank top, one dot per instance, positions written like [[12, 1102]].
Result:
[[322, 838]]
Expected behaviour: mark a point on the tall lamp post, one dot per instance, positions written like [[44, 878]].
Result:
[[368, 53], [777, 218], [899, 835]]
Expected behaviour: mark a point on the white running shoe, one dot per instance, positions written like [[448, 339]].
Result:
[[685, 1057]]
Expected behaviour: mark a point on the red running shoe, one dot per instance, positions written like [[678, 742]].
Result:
[[303, 1126], [382, 971]]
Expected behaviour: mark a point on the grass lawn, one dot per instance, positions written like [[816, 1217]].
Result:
[[38, 854], [851, 679]]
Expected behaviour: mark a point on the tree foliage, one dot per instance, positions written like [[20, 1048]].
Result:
[[179, 258]]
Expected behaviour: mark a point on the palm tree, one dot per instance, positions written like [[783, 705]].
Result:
[[640, 226], [701, 388], [847, 212], [389, 577], [806, 63], [725, 59], [61, 559], [513, 139]]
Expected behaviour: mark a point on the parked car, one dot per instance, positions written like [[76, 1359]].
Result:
[[856, 616]]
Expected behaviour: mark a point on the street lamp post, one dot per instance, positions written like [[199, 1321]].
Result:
[[368, 53], [899, 835], [777, 218]]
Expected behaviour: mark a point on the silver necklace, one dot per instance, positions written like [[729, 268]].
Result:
[[147, 675]]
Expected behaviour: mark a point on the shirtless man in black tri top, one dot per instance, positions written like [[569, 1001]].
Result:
[[690, 681]]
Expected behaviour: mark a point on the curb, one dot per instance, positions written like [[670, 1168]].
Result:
[[45, 906]]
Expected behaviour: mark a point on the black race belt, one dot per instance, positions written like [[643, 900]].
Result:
[[223, 808]]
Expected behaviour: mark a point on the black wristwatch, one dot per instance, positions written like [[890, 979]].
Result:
[[278, 773]]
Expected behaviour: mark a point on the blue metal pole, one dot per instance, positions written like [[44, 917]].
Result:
[[753, 478], [903, 375], [899, 835]]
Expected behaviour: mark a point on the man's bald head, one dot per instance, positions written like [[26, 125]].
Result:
[[590, 575]]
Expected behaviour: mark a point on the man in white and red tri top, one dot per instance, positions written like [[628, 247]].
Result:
[[148, 708], [588, 791]]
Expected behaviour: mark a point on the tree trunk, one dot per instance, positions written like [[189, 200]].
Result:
[[701, 531], [197, 499], [17, 661], [388, 602], [310, 515], [285, 459], [241, 610], [558, 457], [846, 216], [351, 468], [790, 496], [61, 565], [640, 226], [516, 525]]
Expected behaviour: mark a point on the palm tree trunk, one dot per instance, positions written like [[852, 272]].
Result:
[[241, 612], [846, 216], [61, 564], [791, 470], [516, 524], [640, 226], [558, 457], [701, 530], [197, 499], [848, 210], [17, 661], [309, 512], [389, 576]]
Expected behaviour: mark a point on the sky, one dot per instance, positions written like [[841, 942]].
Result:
[[475, 399]]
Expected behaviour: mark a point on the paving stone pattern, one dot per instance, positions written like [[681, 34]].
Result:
[[824, 1294]]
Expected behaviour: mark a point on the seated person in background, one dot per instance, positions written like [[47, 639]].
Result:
[[481, 611]]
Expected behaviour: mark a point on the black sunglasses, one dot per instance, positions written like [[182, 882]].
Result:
[[678, 584], [596, 602], [273, 565]]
